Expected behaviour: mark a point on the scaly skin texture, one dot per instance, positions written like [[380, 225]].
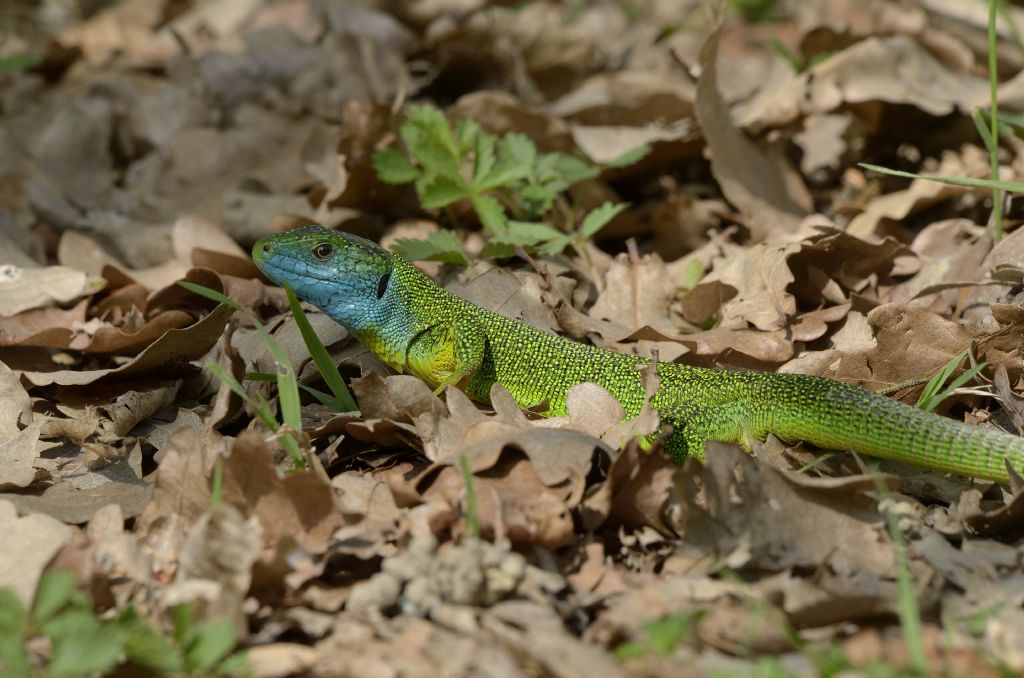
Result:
[[417, 327]]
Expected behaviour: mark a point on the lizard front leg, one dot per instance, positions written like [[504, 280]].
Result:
[[446, 355]]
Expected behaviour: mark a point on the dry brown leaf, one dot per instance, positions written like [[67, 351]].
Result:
[[22, 289], [760, 277], [761, 185], [15, 406], [822, 141], [636, 294], [175, 347], [31, 541], [741, 517], [909, 343], [48, 327], [971, 161], [536, 631]]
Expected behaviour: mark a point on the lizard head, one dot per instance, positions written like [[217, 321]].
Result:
[[344, 275]]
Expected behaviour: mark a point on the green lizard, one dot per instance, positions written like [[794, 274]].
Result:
[[415, 326]]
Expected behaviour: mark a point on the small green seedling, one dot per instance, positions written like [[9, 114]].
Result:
[[499, 176], [82, 644]]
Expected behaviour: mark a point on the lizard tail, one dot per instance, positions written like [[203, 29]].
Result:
[[839, 416]]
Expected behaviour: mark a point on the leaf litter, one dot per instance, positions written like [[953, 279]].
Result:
[[154, 142]]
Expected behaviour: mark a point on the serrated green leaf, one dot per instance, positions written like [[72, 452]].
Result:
[[236, 665], [440, 246], [484, 157], [537, 199], [212, 643], [529, 235], [440, 191], [428, 137], [629, 157], [183, 617], [146, 647], [598, 218], [467, 135], [55, 590], [502, 175], [491, 213], [82, 645], [560, 171], [530, 232], [393, 168], [13, 659], [12, 613], [434, 125], [517, 148]]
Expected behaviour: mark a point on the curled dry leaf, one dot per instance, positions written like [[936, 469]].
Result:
[[528, 475], [168, 353], [22, 289], [768, 193], [31, 541], [741, 517], [295, 511]]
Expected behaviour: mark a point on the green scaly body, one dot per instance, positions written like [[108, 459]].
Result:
[[416, 326]]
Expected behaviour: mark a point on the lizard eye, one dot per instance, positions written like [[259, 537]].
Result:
[[323, 251]]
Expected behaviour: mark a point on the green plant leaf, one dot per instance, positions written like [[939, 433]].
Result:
[[537, 199], [146, 647], [56, 589], [212, 642], [598, 218], [467, 135], [13, 620], [324, 363], [491, 213], [561, 170], [484, 158], [440, 191], [517, 154], [82, 645], [516, 147], [429, 140], [19, 62], [528, 234], [393, 168], [440, 246], [630, 157]]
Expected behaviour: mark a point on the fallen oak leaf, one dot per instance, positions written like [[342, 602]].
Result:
[[168, 353]]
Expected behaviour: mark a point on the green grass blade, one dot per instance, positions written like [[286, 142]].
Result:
[[326, 399], [263, 412], [287, 383], [825, 456], [472, 513], [328, 370], [927, 399], [993, 148], [986, 136], [1015, 186], [213, 295], [956, 384]]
